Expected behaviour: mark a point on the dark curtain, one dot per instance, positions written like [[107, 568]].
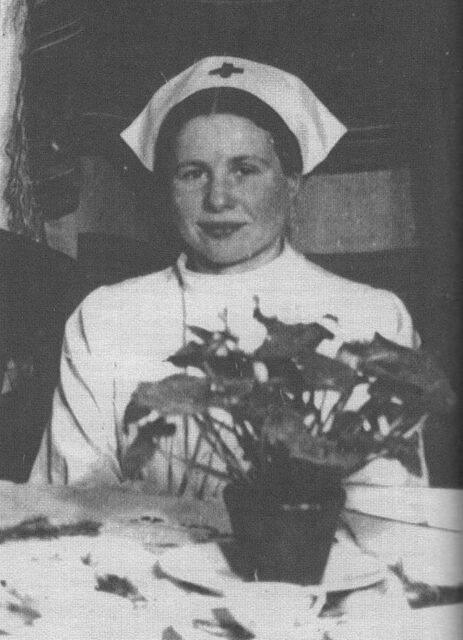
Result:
[[438, 204]]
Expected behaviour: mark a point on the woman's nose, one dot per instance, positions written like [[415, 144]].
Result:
[[218, 196]]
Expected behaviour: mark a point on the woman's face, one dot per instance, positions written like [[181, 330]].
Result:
[[229, 193]]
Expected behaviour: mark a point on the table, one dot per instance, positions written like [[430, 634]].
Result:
[[135, 512]]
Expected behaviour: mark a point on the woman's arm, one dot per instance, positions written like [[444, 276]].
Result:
[[392, 320], [79, 443]]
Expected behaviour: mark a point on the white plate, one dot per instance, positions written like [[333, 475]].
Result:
[[205, 564], [427, 554]]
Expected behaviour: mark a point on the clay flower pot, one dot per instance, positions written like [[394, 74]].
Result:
[[284, 541]]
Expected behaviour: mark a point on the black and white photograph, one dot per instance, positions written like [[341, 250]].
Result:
[[230, 315]]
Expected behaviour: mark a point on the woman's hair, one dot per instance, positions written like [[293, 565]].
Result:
[[231, 101]]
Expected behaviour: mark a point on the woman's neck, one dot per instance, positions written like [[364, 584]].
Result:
[[269, 253]]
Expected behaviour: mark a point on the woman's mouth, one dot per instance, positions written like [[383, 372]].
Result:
[[220, 230]]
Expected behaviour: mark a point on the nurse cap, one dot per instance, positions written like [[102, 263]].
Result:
[[315, 128]]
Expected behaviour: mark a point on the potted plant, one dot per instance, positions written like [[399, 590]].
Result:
[[284, 479]]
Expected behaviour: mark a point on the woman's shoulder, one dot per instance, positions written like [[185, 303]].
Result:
[[329, 282], [360, 308], [132, 290], [135, 297], [331, 285]]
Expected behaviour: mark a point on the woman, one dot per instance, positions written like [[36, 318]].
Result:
[[230, 139]]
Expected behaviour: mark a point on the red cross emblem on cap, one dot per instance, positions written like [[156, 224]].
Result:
[[226, 70]]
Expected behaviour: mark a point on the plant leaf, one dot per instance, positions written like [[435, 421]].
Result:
[[381, 403], [283, 425], [346, 425], [211, 337], [413, 368], [283, 370], [232, 363], [254, 407], [320, 372], [134, 412], [215, 342], [203, 334], [178, 394], [405, 450], [235, 363], [321, 450], [286, 428], [288, 340], [229, 392], [143, 447], [192, 354]]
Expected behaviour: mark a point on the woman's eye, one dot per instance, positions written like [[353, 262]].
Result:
[[246, 170], [190, 174]]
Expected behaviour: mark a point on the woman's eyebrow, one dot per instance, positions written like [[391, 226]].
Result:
[[234, 160], [252, 158], [184, 163]]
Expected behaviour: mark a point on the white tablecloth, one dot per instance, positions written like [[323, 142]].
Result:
[[157, 522]]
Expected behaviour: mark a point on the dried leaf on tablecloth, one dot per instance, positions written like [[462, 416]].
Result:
[[25, 607], [224, 625], [169, 633], [40, 527], [112, 583]]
